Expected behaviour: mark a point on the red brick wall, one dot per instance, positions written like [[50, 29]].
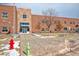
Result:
[[10, 21], [37, 18]]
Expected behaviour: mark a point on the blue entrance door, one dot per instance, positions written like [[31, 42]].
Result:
[[24, 27], [24, 30]]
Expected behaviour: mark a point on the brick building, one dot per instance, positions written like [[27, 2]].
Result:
[[66, 24], [21, 20]]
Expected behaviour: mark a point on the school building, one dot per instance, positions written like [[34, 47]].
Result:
[[21, 20]]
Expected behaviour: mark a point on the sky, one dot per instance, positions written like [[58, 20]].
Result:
[[70, 10]]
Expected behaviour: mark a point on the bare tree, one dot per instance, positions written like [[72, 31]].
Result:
[[48, 21], [58, 25]]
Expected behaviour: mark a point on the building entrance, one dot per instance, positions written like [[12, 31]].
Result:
[[24, 27]]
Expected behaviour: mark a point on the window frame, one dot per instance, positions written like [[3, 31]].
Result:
[[65, 22], [5, 29], [4, 15], [24, 16], [65, 28], [71, 22]]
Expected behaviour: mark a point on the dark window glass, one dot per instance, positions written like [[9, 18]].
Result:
[[4, 29], [70, 22], [73, 22], [24, 16], [24, 24], [77, 22], [65, 22], [42, 29], [65, 28], [5, 15]]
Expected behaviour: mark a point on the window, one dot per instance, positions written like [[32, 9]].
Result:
[[73, 22], [71, 29], [24, 16], [70, 22], [4, 15], [55, 29], [45, 21], [77, 30], [77, 22], [42, 29], [65, 22], [24, 24], [5, 29], [65, 28]]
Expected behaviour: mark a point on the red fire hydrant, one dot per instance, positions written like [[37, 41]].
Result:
[[11, 43]]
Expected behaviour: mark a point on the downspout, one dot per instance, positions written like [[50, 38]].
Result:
[[14, 24]]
